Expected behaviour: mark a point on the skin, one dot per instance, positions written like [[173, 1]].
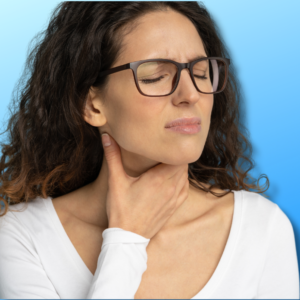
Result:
[[194, 237], [140, 127]]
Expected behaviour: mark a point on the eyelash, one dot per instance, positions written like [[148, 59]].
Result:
[[147, 81], [201, 77]]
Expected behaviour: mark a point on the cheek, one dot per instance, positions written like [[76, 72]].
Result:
[[207, 103], [143, 124], [137, 124], [207, 109], [134, 120]]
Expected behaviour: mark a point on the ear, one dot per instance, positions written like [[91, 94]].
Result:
[[93, 111]]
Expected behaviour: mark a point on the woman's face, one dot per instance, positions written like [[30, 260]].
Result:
[[137, 122]]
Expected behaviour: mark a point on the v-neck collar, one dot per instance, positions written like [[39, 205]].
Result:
[[214, 280], [74, 255], [225, 260]]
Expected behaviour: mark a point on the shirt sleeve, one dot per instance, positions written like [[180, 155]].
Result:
[[280, 277], [121, 264]]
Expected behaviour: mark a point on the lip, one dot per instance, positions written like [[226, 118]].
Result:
[[184, 122], [186, 129]]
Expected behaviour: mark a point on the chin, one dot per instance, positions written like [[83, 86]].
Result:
[[181, 159]]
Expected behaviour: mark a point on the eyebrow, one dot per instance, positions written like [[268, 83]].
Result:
[[198, 56], [194, 58]]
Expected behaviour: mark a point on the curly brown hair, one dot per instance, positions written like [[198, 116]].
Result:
[[53, 151]]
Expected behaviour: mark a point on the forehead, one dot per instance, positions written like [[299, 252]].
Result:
[[161, 34]]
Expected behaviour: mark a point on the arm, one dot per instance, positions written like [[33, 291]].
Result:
[[121, 264], [21, 272], [280, 277]]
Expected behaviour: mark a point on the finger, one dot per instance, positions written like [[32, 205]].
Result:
[[113, 156], [182, 191]]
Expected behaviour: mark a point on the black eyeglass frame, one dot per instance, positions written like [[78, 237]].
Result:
[[180, 66]]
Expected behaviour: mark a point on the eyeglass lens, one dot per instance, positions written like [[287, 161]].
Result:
[[158, 78]]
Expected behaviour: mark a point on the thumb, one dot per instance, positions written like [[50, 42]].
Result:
[[113, 156]]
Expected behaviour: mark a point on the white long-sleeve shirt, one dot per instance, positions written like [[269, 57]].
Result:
[[38, 260]]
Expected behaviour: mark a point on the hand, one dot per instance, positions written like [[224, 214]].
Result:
[[143, 204]]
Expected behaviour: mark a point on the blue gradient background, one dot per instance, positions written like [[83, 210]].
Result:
[[264, 42]]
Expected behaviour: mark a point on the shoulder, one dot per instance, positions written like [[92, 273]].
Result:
[[25, 215], [260, 207], [262, 216], [257, 201]]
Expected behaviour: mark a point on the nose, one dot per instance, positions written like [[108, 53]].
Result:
[[186, 89]]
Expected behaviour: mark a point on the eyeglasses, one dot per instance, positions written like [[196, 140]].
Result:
[[160, 77]]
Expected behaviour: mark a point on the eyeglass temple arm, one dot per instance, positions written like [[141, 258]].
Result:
[[113, 70]]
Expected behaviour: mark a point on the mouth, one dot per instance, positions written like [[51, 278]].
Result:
[[188, 129], [184, 122]]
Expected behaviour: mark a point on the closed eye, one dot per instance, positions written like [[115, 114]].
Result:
[[201, 77], [147, 81]]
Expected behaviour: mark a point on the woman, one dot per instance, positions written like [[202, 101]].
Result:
[[156, 208]]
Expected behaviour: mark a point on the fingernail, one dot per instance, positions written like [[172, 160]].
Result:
[[105, 140]]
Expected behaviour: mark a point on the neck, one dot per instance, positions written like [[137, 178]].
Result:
[[95, 194]]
